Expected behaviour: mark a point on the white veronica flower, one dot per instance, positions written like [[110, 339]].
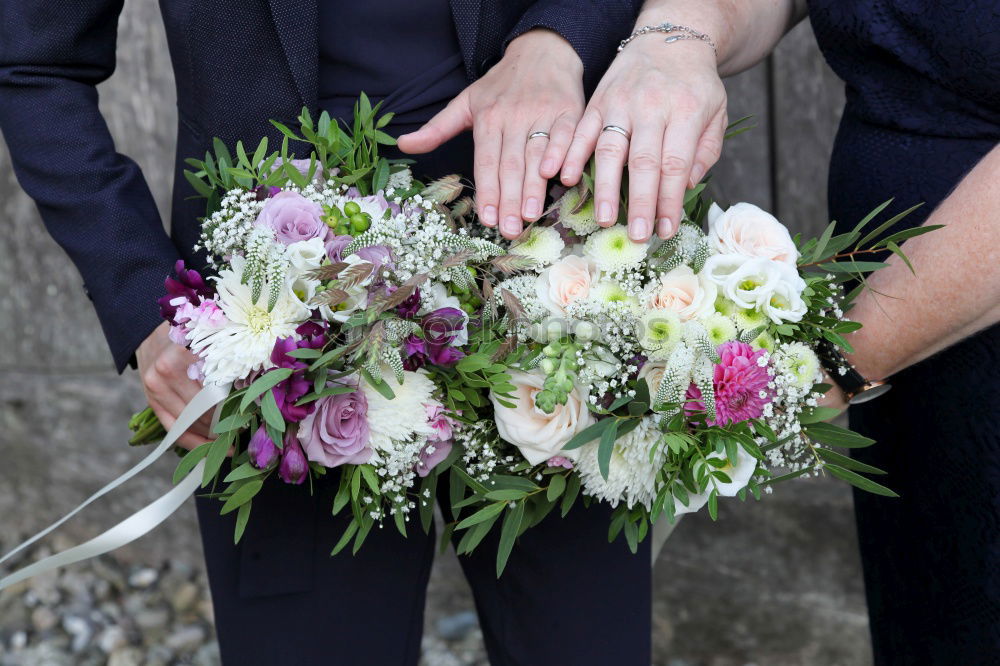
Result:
[[543, 244], [612, 250], [244, 343], [631, 472], [402, 418], [801, 362]]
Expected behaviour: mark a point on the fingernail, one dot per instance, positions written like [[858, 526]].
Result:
[[638, 229], [490, 216], [604, 213], [696, 173], [663, 228], [531, 208], [511, 225], [548, 166]]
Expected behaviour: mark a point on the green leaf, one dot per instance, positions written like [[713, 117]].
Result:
[[379, 385], [606, 448], [265, 382], [242, 516], [368, 472], [190, 459], [479, 516], [243, 494], [871, 216], [823, 240], [713, 505], [895, 249], [817, 414], [557, 484], [244, 471], [907, 234], [851, 266], [837, 436], [271, 413], [511, 527], [505, 495], [570, 495], [588, 434], [846, 461], [345, 538], [200, 186], [888, 223], [859, 481], [234, 422], [216, 455]]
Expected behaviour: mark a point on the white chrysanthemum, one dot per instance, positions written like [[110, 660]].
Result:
[[720, 328], [764, 341], [659, 332], [801, 362], [244, 343], [631, 473], [610, 291], [572, 215], [403, 418], [612, 250], [542, 244], [725, 306]]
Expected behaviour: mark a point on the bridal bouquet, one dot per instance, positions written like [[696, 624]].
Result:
[[363, 321]]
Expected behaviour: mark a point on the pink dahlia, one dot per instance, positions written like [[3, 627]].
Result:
[[740, 384]]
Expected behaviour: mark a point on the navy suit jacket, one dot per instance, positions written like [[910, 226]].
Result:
[[237, 63]]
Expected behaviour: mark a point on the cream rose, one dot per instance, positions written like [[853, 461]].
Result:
[[683, 292], [566, 281], [653, 372], [538, 435], [746, 229]]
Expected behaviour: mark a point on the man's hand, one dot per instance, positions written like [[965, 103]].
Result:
[[536, 87], [163, 369], [670, 99]]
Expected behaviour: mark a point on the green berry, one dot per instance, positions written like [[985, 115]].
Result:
[[351, 208], [360, 223]]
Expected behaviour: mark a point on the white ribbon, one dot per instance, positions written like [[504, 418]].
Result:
[[143, 520]]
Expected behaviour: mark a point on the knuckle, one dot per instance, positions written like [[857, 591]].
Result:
[[713, 147], [674, 166], [609, 151], [163, 367], [511, 164], [643, 161]]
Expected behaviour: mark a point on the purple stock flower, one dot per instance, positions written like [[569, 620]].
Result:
[[337, 432], [444, 356], [440, 329], [409, 308], [293, 468], [442, 326], [265, 191], [188, 284], [289, 391], [262, 450]]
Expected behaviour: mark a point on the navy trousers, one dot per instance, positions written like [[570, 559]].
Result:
[[567, 596]]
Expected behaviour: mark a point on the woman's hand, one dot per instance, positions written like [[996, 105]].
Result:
[[163, 369], [671, 101], [536, 87]]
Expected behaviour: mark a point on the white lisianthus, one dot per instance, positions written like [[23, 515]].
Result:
[[612, 250], [632, 469], [684, 292], [243, 344], [695, 502], [784, 303], [720, 328], [752, 282], [402, 418], [659, 332], [537, 435], [564, 282], [719, 267], [739, 474], [747, 230], [304, 256], [542, 244], [801, 362], [579, 218]]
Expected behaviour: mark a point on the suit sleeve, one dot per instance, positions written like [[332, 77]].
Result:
[[593, 27], [94, 202]]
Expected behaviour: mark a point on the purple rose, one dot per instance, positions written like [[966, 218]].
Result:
[[293, 218], [262, 450], [293, 468], [337, 432]]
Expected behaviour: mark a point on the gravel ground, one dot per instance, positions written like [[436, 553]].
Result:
[[104, 611]]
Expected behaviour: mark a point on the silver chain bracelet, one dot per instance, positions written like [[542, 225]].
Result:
[[683, 31]]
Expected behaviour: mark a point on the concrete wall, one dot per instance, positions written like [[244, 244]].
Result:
[[776, 583]]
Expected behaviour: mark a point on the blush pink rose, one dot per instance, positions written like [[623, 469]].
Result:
[[566, 281], [747, 230], [683, 292]]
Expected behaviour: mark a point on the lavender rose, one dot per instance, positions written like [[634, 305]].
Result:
[[337, 432], [293, 218]]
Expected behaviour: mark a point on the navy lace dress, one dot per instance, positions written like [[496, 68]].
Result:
[[923, 107]]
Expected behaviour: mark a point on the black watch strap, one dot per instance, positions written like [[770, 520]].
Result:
[[855, 386]]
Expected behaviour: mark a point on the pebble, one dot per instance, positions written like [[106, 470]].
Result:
[[184, 597], [186, 639], [143, 578], [126, 656], [43, 618], [112, 638], [80, 630]]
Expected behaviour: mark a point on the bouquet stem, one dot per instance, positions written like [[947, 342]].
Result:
[[146, 428]]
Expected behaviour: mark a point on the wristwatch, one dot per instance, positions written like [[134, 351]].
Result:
[[855, 386]]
